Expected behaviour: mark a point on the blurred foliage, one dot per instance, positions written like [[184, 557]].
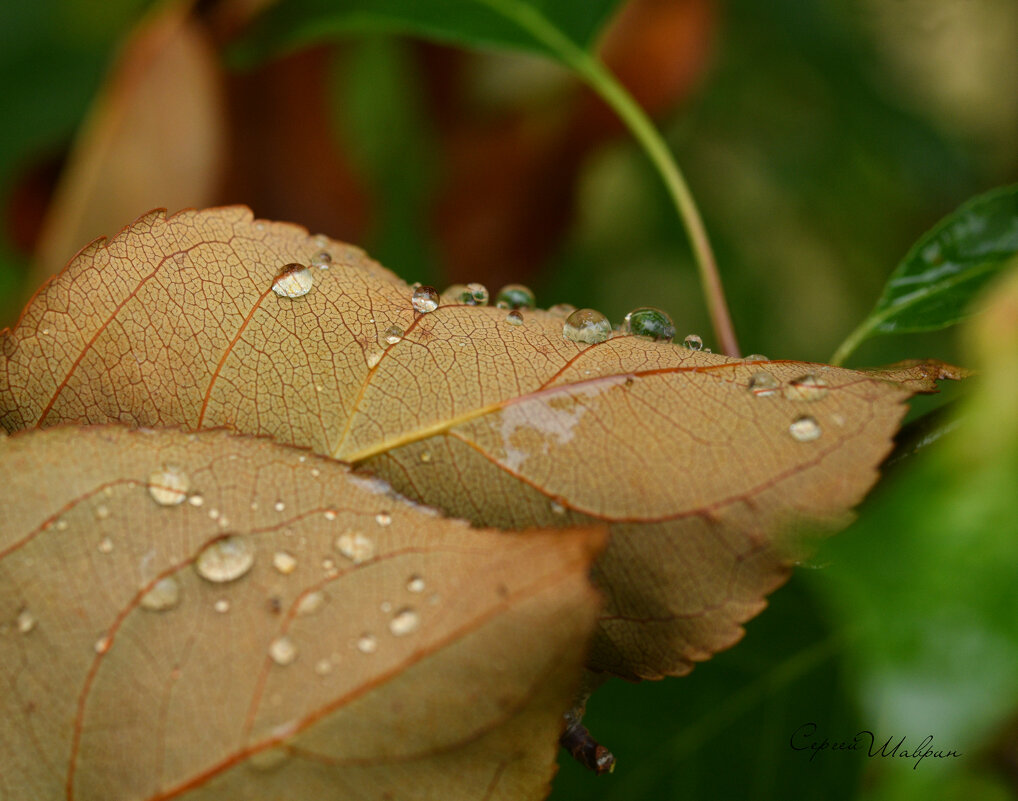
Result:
[[820, 140]]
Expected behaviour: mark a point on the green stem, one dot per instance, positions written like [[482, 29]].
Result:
[[852, 341], [601, 80]]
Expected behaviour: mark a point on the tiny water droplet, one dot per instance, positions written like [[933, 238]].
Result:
[[165, 594], [756, 357], [404, 621], [105, 545], [282, 651], [168, 486], [315, 472], [60, 525], [26, 621], [294, 281], [515, 296], [329, 566], [367, 643], [763, 384], [196, 500], [557, 508], [385, 606], [279, 506], [383, 519], [330, 514], [393, 334], [424, 299], [425, 456], [806, 388], [222, 606], [650, 323], [355, 546], [311, 603], [321, 260], [693, 342], [474, 294], [284, 562], [514, 318], [213, 514], [586, 325], [102, 512], [415, 584], [102, 645], [562, 309], [804, 429], [323, 667], [225, 560]]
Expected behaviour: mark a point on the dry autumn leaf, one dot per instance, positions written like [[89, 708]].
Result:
[[214, 616], [696, 461]]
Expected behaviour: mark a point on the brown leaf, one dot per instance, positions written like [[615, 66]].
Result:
[[207, 615], [695, 460]]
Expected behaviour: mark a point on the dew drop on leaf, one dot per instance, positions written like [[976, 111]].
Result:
[[355, 546], [424, 299], [294, 281], [168, 486], [102, 512], [806, 388], [224, 560], [415, 584], [222, 606], [650, 323], [514, 318], [367, 643], [321, 260], [756, 357], [474, 295], [284, 562], [763, 384], [323, 667], [311, 603], [393, 334], [404, 621], [164, 595], [105, 545], [515, 296], [25, 621], [562, 309], [693, 342], [102, 645], [282, 651], [804, 429], [383, 519], [586, 325]]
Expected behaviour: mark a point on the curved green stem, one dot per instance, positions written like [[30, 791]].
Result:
[[601, 80]]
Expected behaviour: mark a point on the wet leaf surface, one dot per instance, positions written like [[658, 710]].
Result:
[[695, 461], [214, 616]]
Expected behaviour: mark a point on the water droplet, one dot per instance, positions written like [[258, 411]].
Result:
[[762, 384], [315, 472], [355, 546], [650, 323], [393, 334], [415, 584], [284, 562], [165, 594], [426, 456], [804, 429], [222, 606], [424, 299], [102, 645], [557, 508], [515, 296], [383, 519], [806, 388], [279, 506], [168, 486], [321, 260], [282, 651], [196, 500], [373, 357], [60, 525], [514, 318], [330, 514], [562, 309], [404, 621], [311, 603], [323, 667], [102, 512], [693, 342], [367, 643], [105, 545], [586, 325], [225, 560], [26, 621], [213, 514], [385, 606], [474, 295], [294, 281], [756, 357]]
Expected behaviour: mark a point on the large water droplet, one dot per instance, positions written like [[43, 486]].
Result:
[[168, 486], [586, 325], [282, 651], [393, 334], [762, 384], [651, 323], [25, 621], [225, 560], [294, 281], [404, 621], [804, 429], [514, 318], [806, 388], [474, 295], [693, 342], [311, 603], [321, 260], [165, 594], [415, 584], [284, 562], [367, 643], [424, 299], [515, 296], [355, 546]]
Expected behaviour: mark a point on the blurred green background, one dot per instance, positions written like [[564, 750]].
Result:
[[820, 139]]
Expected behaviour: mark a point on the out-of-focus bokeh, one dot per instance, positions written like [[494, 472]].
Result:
[[820, 138]]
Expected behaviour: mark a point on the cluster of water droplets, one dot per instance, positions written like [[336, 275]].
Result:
[[806, 388]]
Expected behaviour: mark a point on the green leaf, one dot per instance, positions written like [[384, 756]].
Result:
[[471, 23], [933, 285]]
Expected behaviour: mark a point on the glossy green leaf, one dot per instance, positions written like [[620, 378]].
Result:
[[934, 284], [513, 24]]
